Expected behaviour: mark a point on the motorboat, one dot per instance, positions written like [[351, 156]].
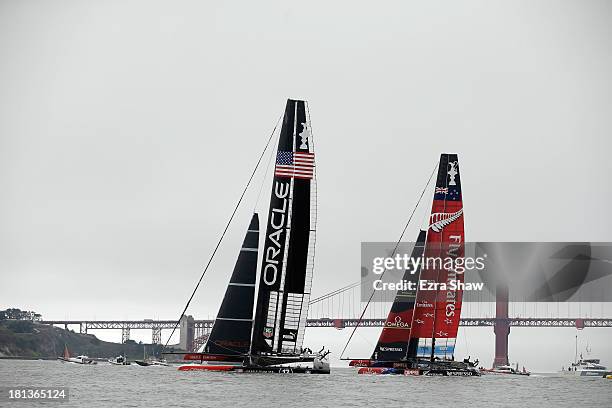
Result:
[[120, 360], [586, 367]]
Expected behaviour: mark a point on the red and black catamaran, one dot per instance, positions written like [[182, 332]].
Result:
[[270, 337], [421, 328]]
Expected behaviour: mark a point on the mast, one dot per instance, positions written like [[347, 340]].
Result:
[[576, 352], [288, 253], [436, 318], [231, 333]]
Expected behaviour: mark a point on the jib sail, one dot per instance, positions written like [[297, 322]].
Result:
[[288, 252], [437, 312], [231, 333], [394, 339]]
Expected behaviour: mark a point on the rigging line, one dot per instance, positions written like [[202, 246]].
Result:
[[354, 284], [338, 291], [229, 349], [366, 340], [395, 249], [345, 288], [267, 169], [222, 234]]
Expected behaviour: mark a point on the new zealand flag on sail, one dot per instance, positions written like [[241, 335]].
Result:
[[452, 190]]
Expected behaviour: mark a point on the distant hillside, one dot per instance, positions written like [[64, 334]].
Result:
[[27, 339]]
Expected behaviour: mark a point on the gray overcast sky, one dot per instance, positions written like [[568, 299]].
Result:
[[128, 129]]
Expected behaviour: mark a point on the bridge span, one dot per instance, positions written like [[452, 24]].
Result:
[[86, 325], [193, 332]]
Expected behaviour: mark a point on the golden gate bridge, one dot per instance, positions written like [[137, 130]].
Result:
[[342, 308]]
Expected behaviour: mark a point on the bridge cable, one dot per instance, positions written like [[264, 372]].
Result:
[[224, 232], [335, 292], [393, 253]]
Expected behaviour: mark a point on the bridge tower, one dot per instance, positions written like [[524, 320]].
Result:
[[187, 333], [156, 335], [501, 327], [125, 334]]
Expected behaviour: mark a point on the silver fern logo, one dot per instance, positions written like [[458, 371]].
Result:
[[440, 220]]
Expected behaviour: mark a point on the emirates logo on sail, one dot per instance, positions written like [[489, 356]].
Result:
[[440, 220]]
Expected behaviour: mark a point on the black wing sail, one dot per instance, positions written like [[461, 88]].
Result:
[[231, 333], [288, 254]]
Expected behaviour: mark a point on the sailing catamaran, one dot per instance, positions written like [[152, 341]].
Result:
[[150, 360], [585, 367], [271, 339], [420, 331]]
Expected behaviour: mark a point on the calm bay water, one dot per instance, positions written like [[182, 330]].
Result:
[[104, 385]]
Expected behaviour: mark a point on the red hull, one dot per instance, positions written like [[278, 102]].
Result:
[[197, 367], [209, 357], [370, 370], [388, 370], [360, 363]]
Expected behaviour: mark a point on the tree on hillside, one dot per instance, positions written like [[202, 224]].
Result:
[[21, 326], [18, 314]]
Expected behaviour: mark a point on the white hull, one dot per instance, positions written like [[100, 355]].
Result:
[[586, 368], [504, 370], [77, 361], [149, 363], [116, 363], [494, 372], [585, 373]]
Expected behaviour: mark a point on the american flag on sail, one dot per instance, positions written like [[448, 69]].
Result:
[[294, 164]]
